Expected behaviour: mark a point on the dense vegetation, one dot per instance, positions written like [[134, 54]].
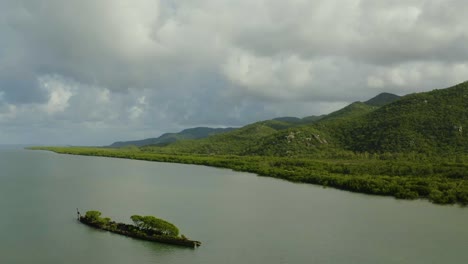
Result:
[[429, 122], [145, 227], [409, 147], [151, 223]]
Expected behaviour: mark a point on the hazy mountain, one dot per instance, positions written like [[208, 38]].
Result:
[[167, 138]]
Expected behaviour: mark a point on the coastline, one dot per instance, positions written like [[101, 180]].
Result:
[[401, 179]]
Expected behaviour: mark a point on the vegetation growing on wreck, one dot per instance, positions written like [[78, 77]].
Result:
[[147, 228]]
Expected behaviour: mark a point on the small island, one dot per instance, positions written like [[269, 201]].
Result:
[[147, 228]]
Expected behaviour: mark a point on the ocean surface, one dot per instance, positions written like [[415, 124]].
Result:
[[239, 217]]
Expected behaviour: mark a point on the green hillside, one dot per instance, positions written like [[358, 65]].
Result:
[[382, 99], [288, 119], [305, 139], [311, 119], [359, 109], [167, 138], [298, 121], [233, 142], [247, 133], [351, 111], [295, 141], [284, 136], [430, 122]]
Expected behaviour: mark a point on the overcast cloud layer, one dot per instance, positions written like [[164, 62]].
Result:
[[96, 71]]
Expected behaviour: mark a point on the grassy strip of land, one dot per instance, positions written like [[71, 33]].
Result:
[[442, 182]]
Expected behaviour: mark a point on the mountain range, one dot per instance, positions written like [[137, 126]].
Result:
[[429, 122], [167, 138]]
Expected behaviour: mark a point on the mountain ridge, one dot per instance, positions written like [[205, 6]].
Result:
[[382, 99], [167, 138], [420, 122], [276, 123]]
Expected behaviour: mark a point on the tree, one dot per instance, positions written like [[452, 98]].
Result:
[[93, 216], [155, 224], [138, 221]]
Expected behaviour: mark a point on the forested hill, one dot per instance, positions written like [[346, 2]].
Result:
[[431, 122], [233, 142], [167, 138], [382, 99], [252, 131], [296, 120]]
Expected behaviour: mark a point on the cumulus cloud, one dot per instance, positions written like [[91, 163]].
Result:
[[117, 69], [59, 94]]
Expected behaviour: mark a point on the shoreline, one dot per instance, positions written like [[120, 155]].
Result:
[[446, 185]]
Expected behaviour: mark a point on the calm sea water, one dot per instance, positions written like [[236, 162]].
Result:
[[239, 217]]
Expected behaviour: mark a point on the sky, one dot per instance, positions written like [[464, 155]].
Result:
[[91, 72]]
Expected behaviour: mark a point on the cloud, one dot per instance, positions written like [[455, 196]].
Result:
[[276, 76], [59, 94], [117, 69]]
